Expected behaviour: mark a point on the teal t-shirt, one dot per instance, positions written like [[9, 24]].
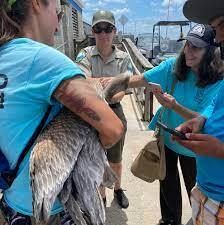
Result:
[[210, 175], [29, 74], [186, 93]]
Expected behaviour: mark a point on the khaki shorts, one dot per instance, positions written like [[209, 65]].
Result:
[[205, 210], [114, 154]]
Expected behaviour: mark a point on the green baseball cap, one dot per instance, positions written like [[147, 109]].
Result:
[[103, 16]]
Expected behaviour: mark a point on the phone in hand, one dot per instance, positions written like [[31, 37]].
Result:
[[154, 87], [171, 131]]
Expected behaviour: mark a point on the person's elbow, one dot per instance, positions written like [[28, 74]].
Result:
[[113, 134], [117, 132]]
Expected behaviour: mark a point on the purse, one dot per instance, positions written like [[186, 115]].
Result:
[[150, 163]]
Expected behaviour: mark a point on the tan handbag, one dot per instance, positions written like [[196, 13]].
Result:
[[150, 164]]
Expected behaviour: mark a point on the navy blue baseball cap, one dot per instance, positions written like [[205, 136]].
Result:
[[200, 36]]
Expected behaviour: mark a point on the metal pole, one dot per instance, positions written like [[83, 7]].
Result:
[[168, 15]]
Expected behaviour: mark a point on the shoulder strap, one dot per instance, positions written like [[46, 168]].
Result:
[[32, 140]]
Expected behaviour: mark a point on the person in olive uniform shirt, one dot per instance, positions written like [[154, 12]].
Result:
[[101, 61]]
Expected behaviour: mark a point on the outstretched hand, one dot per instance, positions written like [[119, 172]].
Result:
[[165, 99], [105, 81], [115, 87]]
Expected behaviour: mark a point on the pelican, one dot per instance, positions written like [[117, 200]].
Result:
[[69, 162]]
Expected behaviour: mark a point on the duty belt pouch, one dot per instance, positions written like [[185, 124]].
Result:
[[7, 176]]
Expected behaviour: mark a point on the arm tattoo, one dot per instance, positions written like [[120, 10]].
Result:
[[74, 101]]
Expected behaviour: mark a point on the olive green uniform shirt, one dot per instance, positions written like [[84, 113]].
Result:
[[92, 64]]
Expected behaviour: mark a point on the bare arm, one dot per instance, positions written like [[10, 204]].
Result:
[[137, 81], [184, 112], [170, 102], [134, 82], [80, 97]]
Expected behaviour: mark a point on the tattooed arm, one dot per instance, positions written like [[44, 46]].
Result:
[[80, 97]]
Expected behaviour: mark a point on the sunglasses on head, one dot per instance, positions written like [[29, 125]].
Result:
[[107, 29]]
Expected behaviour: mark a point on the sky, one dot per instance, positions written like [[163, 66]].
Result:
[[141, 14]]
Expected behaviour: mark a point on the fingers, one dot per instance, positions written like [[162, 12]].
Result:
[[194, 141], [165, 99], [189, 144], [197, 137], [184, 128], [105, 81]]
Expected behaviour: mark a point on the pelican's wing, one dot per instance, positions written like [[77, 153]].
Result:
[[53, 158], [88, 174]]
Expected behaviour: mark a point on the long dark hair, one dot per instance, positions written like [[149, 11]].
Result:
[[12, 18], [211, 68]]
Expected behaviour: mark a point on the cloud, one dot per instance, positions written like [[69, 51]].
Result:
[[153, 4], [141, 14], [118, 12], [165, 3], [116, 1], [101, 4]]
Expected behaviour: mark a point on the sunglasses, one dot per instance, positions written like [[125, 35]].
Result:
[[98, 29], [60, 14]]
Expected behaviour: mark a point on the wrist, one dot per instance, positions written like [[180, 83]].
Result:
[[174, 105], [201, 120]]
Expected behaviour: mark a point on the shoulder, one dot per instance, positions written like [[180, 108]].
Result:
[[85, 53], [166, 66], [52, 62], [28, 46], [52, 57], [215, 87], [121, 54], [170, 61]]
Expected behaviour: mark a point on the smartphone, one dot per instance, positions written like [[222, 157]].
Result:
[[154, 87], [171, 131]]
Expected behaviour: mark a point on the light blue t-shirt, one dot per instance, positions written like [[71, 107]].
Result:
[[186, 93], [29, 74], [210, 175]]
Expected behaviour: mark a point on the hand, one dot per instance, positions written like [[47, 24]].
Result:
[[105, 81], [165, 99], [117, 97], [203, 144], [191, 126]]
